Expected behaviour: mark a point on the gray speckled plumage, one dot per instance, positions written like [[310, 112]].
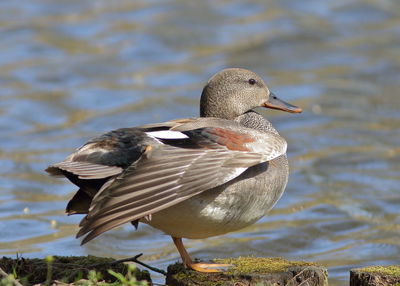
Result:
[[192, 178]]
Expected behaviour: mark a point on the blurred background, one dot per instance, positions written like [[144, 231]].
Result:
[[71, 70]]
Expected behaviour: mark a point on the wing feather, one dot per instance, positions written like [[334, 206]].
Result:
[[164, 177], [85, 170]]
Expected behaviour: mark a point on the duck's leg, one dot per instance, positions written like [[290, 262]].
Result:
[[188, 262]]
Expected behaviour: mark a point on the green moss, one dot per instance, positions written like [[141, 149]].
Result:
[[65, 269], [278, 271], [392, 270], [248, 265], [177, 272]]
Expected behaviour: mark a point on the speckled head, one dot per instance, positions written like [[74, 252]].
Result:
[[234, 91]]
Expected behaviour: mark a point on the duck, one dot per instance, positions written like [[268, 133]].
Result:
[[190, 178]]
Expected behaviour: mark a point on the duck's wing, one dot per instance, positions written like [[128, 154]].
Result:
[[97, 161], [104, 156], [177, 166], [109, 154]]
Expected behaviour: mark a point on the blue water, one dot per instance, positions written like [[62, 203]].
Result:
[[71, 70]]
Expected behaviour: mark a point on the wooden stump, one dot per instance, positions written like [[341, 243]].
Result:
[[375, 276], [252, 271], [65, 268]]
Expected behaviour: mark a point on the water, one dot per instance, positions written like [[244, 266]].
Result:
[[71, 70]]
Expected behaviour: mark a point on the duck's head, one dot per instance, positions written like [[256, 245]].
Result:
[[235, 91]]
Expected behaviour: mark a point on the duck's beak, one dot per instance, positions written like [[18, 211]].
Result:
[[275, 103]]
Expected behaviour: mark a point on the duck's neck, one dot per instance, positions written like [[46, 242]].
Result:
[[256, 121]]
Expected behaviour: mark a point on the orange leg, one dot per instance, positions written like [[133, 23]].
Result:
[[188, 262]]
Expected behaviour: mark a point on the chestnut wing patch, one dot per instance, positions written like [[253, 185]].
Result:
[[211, 138], [230, 139]]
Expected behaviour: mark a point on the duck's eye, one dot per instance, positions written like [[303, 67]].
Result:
[[252, 81]]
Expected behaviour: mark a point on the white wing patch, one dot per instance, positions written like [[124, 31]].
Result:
[[167, 134]]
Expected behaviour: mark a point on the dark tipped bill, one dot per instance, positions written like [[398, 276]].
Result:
[[275, 103]]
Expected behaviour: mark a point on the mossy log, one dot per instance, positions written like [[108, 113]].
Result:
[[252, 271], [375, 276], [66, 269]]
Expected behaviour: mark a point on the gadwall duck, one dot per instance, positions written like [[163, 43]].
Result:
[[190, 178]]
